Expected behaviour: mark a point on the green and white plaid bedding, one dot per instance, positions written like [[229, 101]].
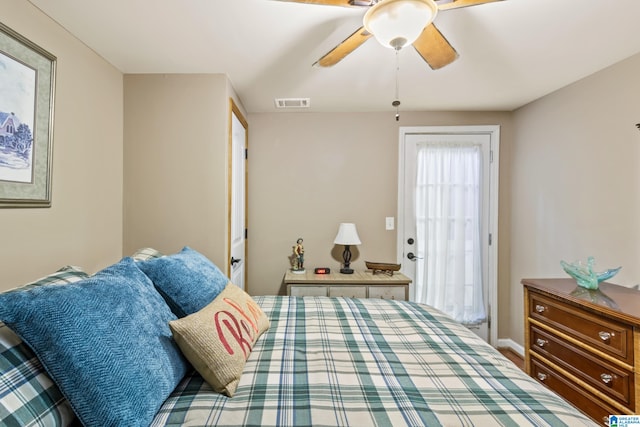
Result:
[[364, 362]]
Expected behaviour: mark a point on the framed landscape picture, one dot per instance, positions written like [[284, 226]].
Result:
[[27, 86]]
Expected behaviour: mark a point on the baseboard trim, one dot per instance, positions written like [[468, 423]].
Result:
[[511, 345]]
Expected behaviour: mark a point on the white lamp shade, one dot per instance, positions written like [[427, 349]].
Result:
[[397, 23], [347, 235]]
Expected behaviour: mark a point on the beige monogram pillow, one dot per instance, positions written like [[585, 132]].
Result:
[[218, 339]]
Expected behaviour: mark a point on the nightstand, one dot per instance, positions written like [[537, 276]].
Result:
[[360, 284]]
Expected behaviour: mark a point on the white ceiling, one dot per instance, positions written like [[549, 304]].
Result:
[[511, 52]]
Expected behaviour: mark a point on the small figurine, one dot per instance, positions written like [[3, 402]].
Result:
[[298, 257]]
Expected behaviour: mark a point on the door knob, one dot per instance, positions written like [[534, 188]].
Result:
[[412, 256], [235, 260]]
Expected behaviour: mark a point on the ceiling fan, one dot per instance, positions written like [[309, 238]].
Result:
[[397, 23]]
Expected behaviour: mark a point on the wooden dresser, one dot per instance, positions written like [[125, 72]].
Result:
[[585, 344], [360, 284]]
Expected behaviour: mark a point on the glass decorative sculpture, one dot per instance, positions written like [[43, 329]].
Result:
[[584, 274]]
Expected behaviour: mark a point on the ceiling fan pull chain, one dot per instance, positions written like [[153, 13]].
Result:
[[396, 103]]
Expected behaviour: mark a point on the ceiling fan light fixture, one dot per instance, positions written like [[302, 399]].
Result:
[[397, 23]]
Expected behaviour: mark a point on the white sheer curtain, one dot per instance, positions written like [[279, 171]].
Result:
[[449, 265]]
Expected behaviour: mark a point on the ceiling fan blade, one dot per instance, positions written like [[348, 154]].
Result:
[[455, 4], [343, 49], [434, 48], [345, 3]]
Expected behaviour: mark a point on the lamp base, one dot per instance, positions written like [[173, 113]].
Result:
[[346, 270]]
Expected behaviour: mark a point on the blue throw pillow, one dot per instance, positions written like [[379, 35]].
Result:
[[105, 341], [188, 281], [28, 396]]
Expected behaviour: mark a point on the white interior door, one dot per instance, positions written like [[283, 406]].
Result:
[[237, 194], [412, 247]]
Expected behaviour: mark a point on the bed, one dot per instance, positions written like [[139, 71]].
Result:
[[101, 347], [365, 362]]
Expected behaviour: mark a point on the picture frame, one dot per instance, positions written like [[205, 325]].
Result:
[[27, 89]]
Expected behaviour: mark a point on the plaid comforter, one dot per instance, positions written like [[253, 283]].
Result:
[[365, 362]]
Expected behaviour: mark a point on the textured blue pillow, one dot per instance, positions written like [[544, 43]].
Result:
[[188, 281], [105, 341], [28, 396]]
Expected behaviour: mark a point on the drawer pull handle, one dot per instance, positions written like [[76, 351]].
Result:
[[542, 376], [605, 336], [540, 308], [606, 378], [541, 343]]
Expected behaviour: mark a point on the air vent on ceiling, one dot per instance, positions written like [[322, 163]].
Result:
[[293, 102]]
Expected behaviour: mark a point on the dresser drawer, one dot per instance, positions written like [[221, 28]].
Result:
[[613, 338], [387, 292], [590, 405], [611, 380], [348, 291]]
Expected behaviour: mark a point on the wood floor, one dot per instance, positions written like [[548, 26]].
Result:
[[513, 356]]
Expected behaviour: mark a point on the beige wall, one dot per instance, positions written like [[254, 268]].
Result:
[[84, 224], [310, 171], [576, 181], [175, 168], [569, 183]]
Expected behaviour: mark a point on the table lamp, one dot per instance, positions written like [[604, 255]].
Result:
[[347, 236]]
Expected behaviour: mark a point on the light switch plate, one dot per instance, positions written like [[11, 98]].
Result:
[[390, 223]]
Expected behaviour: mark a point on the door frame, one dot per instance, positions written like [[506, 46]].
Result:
[[234, 110], [492, 264]]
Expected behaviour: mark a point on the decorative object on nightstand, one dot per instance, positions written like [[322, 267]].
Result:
[[297, 259], [382, 267], [347, 236], [584, 274]]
